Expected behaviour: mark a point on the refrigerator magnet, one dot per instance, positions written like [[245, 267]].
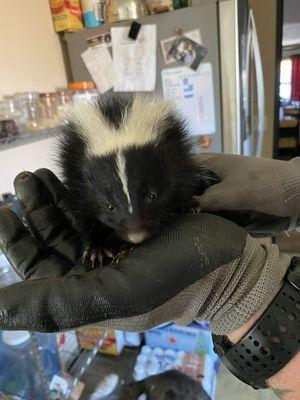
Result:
[[134, 30]]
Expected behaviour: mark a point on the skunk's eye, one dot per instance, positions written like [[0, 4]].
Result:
[[111, 208], [150, 197]]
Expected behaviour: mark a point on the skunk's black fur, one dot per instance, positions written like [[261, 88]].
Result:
[[162, 177]]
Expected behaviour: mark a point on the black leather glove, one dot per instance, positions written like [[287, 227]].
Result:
[[187, 272]]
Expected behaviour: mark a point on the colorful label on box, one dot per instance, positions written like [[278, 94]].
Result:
[[89, 339], [67, 15]]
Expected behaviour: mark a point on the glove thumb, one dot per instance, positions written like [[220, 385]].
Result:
[[216, 197]]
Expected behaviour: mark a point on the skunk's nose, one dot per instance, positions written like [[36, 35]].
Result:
[[137, 237]]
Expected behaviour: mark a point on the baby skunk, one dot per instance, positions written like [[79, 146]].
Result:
[[129, 168]]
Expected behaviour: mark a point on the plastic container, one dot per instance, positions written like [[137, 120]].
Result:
[[82, 91], [15, 112], [8, 123], [160, 6], [126, 10], [82, 85], [32, 110], [18, 372], [93, 13], [49, 102]]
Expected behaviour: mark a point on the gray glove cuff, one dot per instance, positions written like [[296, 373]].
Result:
[[291, 187], [245, 286], [227, 297]]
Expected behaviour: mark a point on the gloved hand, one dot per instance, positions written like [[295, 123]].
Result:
[[260, 194], [202, 267]]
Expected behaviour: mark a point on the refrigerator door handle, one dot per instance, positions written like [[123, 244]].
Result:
[[260, 86], [246, 92]]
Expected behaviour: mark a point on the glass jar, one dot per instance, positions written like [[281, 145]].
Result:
[[49, 102], [15, 112], [32, 110], [8, 125], [64, 98]]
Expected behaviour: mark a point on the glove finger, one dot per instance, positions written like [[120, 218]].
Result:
[[47, 222], [216, 162], [58, 191], [217, 197], [24, 253], [152, 274], [256, 223]]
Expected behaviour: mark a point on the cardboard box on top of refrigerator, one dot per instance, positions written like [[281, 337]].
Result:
[[89, 337], [195, 338], [67, 15]]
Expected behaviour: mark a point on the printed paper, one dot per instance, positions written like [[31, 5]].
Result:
[[99, 63], [134, 60], [192, 92]]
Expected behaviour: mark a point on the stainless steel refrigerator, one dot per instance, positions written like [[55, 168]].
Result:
[[228, 32]]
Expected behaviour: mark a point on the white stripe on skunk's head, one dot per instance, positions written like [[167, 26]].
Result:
[[121, 169], [142, 120]]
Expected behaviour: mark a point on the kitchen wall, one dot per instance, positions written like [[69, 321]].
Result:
[[31, 59], [31, 55], [265, 18], [29, 157]]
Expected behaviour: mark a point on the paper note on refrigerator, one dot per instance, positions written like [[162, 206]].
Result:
[[134, 60], [192, 92], [99, 63]]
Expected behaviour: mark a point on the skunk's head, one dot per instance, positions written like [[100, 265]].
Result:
[[128, 163]]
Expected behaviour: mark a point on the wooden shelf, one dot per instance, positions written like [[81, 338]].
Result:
[[288, 143], [289, 123]]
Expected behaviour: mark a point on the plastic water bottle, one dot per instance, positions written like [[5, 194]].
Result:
[[18, 372], [14, 373]]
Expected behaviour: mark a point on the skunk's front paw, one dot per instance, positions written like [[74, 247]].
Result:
[[96, 254], [192, 207], [195, 210]]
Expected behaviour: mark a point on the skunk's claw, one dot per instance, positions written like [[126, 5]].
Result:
[[122, 254], [98, 254], [100, 259], [192, 207], [195, 210], [85, 254], [94, 255], [108, 253]]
